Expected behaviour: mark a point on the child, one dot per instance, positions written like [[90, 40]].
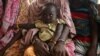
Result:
[[50, 30], [51, 36]]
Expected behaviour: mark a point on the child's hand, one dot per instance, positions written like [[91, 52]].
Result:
[[41, 48]]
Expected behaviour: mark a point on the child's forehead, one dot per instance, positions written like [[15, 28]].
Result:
[[50, 9]]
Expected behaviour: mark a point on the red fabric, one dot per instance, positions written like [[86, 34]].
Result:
[[83, 38], [79, 15]]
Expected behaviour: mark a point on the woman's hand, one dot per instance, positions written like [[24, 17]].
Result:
[[51, 44], [41, 48], [91, 52], [59, 50]]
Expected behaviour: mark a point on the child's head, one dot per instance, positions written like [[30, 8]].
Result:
[[49, 13]]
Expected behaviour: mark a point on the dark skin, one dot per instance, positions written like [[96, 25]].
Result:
[[59, 48], [93, 14]]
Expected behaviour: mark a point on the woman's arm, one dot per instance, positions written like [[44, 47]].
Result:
[[57, 33], [56, 36], [93, 46], [22, 26]]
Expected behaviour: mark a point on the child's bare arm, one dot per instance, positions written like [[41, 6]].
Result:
[[64, 35], [57, 33], [59, 47]]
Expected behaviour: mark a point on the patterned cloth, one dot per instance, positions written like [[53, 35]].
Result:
[[70, 47], [82, 47], [81, 23], [23, 13], [18, 46], [9, 17], [82, 39], [14, 50], [6, 39]]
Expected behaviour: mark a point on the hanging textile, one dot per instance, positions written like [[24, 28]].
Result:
[[10, 15], [23, 14], [6, 39]]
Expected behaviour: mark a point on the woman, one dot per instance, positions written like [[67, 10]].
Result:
[[84, 15]]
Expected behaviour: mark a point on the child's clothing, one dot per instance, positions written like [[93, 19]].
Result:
[[46, 31]]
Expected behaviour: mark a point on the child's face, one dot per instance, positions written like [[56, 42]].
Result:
[[50, 15]]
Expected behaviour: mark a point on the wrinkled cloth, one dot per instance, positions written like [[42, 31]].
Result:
[[36, 6], [14, 50], [6, 39], [23, 13], [82, 47], [28, 38], [70, 48], [19, 46], [10, 15]]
